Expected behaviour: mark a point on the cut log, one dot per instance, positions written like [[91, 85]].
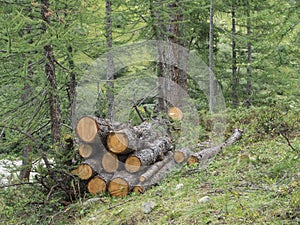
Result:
[[110, 162], [153, 169], [98, 184], [148, 156], [118, 141], [208, 153], [142, 187], [85, 150], [88, 169], [182, 155], [87, 128], [122, 183], [175, 113]]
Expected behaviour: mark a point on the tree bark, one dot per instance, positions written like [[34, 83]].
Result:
[[139, 159], [142, 187], [208, 153], [54, 104]]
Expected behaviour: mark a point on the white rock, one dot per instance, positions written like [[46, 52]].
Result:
[[178, 186], [148, 206], [204, 199]]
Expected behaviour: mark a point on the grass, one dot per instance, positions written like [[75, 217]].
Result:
[[254, 181]]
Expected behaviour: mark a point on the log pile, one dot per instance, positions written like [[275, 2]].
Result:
[[120, 158]]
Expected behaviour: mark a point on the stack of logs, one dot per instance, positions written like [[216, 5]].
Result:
[[120, 158]]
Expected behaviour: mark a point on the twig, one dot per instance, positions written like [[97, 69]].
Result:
[[18, 184], [288, 142]]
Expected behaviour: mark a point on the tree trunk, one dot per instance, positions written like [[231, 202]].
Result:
[[110, 63], [234, 67], [249, 57], [153, 169], [142, 187], [208, 153], [146, 157], [54, 104], [211, 77], [122, 183]]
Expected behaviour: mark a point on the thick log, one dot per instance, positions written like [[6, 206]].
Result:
[[142, 187], [182, 155], [130, 139], [110, 162], [122, 183], [208, 153], [175, 113], [153, 169], [148, 156], [98, 184], [87, 128]]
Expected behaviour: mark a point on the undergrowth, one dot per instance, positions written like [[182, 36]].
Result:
[[254, 181]]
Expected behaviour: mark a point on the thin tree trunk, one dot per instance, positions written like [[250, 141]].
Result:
[[249, 58], [54, 105], [110, 63], [211, 79], [234, 67]]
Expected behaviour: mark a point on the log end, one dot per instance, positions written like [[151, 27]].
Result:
[[85, 150], [96, 186], [117, 142], [142, 179], [110, 162], [175, 113], [133, 164], [86, 129], [192, 160], [83, 171], [138, 190], [179, 157], [118, 187]]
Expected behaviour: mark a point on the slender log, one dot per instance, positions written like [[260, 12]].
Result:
[[88, 169], [85, 150], [153, 169], [182, 155], [208, 153], [175, 113], [142, 187], [98, 184], [122, 183], [148, 156]]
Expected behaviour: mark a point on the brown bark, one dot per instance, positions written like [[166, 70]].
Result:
[[208, 153], [122, 183], [182, 155], [98, 184], [153, 169], [142, 187], [148, 156]]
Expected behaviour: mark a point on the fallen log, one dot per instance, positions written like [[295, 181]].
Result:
[[122, 183], [142, 187], [208, 153], [98, 184], [88, 169], [110, 162], [153, 169], [182, 155], [148, 156]]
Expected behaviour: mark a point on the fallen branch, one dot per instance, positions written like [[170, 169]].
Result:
[[208, 153]]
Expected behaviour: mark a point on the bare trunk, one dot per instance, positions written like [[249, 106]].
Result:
[[54, 105], [110, 63], [234, 67], [249, 58], [211, 79]]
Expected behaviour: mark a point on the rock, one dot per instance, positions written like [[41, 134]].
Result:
[[148, 206], [178, 186], [204, 199]]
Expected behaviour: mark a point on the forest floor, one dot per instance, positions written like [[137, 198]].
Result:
[[254, 181]]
